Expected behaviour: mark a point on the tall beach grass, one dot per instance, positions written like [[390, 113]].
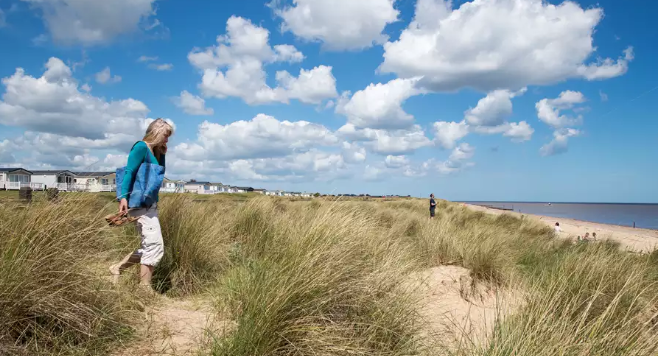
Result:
[[51, 300], [318, 277]]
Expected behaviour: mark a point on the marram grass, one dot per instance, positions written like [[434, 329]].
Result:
[[316, 277]]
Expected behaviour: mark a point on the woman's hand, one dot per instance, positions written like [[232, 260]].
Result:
[[123, 206]]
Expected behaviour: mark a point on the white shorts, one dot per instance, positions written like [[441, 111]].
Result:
[[148, 225]]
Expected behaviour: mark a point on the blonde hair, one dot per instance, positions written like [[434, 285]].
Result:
[[156, 134]]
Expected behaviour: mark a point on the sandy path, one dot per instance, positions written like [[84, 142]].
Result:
[[633, 239], [175, 327], [458, 311]]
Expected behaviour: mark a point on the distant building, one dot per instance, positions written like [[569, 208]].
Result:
[[15, 178], [172, 186], [60, 179], [195, 187], [95, 181], [218, 188]]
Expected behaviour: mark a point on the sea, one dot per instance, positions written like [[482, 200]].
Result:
[[641, 215]]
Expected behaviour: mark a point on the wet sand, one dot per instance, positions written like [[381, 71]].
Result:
[[633, 239]]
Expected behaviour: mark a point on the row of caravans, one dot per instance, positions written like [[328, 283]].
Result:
[[180, 186], [64, 180]]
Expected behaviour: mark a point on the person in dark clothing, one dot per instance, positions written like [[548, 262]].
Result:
[[432, 206]]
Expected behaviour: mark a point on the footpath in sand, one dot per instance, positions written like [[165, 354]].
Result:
[[174, 327], [460, 313], [632, 239]]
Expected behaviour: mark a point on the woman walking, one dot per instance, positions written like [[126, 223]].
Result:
[[143, 202]]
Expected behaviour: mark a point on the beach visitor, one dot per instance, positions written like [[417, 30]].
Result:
[[586, 237], [557, 227], [151, 149], [432, 206], [594, 236]]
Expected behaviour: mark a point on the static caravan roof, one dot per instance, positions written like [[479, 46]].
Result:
[[54, 172], [10, 170], [93, 174]]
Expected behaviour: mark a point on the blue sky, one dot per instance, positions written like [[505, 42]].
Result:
[[482, 100]]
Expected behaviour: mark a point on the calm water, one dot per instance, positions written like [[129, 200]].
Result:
[[644, 215]]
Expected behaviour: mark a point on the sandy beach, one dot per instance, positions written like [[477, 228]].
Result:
[[632, 239]]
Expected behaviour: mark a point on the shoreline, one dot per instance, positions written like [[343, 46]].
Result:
[[633, 239], [473, 202]]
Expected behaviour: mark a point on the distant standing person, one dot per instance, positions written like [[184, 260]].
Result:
[[557, 228], [152, 150], [432, 206]]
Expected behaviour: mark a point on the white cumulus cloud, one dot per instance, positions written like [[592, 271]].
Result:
[[261, 137], [192, 104], [493, 109], [310, 165], [90, 22], [311, 86], [496, 44], [234, 68], [396, 161], [387, 142], [549, 110], [105, 77], [339, 24], [457, 161], [373, 173], [446, 134], [353, 153], [379, 106], [560, 142], [54, 104], [519, 132]]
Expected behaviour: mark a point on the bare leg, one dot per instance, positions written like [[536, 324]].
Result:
[[130, 259], [116, 269], [145, 275]]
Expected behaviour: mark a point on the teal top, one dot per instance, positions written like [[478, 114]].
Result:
[[140, 153]]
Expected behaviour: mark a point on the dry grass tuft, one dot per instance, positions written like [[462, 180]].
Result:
[[50, 299]]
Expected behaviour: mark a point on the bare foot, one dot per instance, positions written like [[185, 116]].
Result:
[[115, 272], [147, 289]]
